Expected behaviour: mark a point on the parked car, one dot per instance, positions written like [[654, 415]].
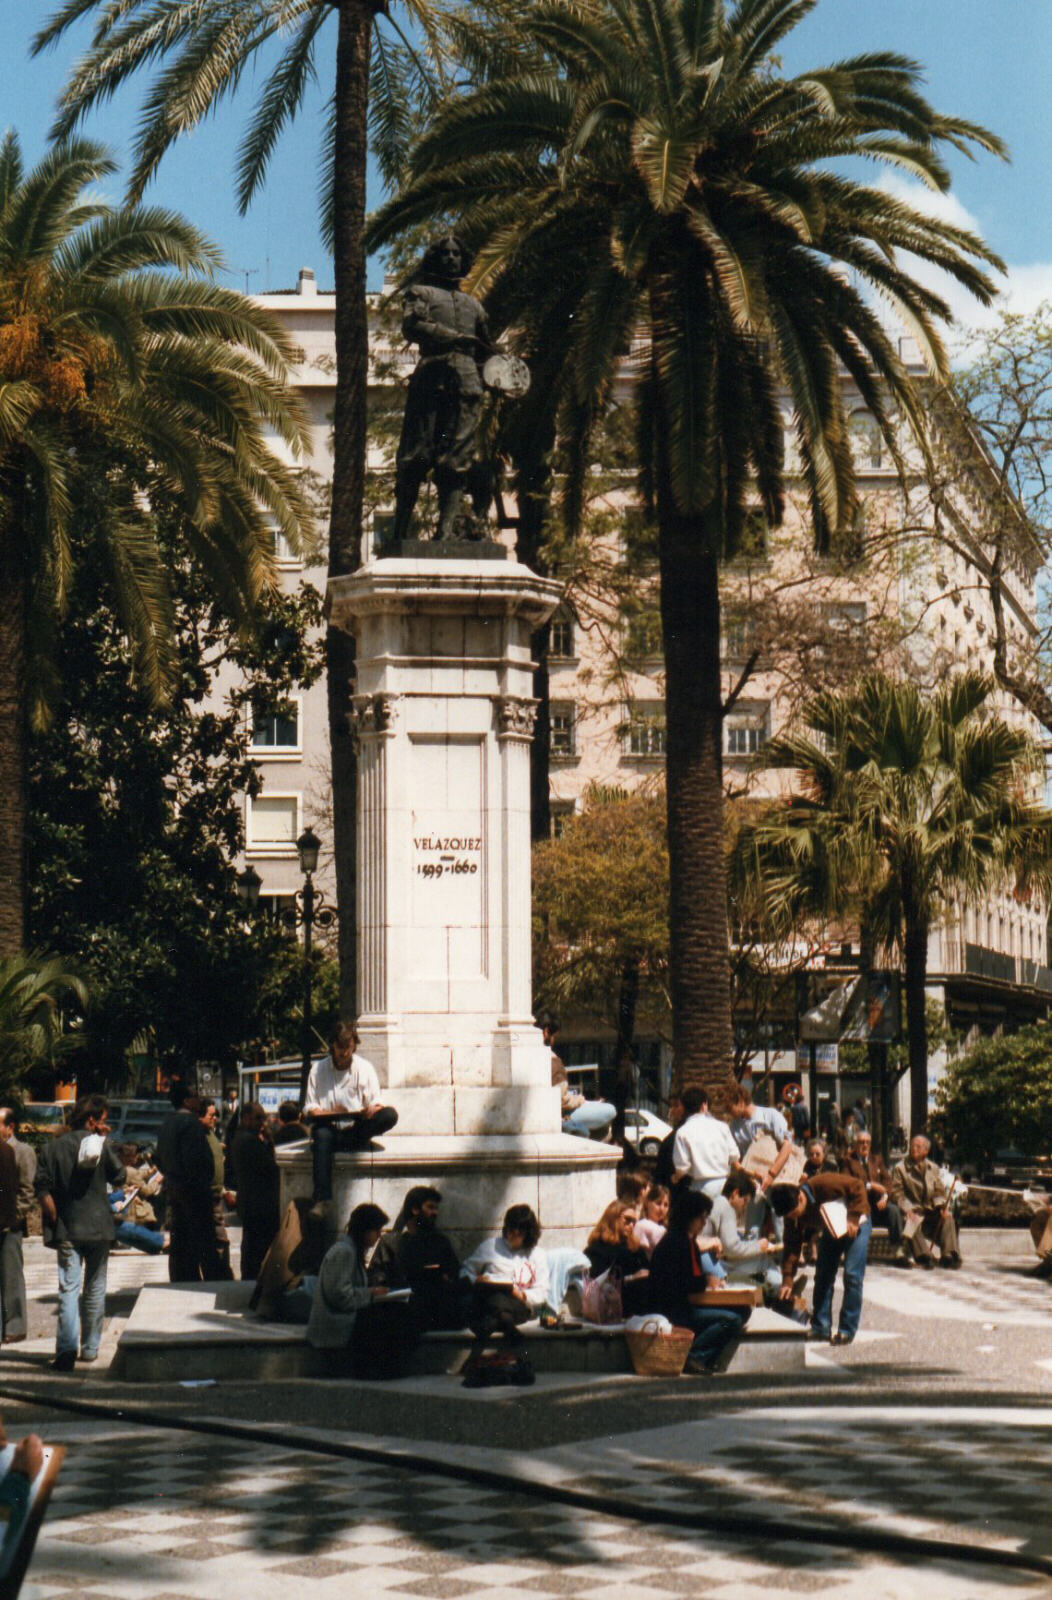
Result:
[[644, 1130], [138, 1121], [45, 1116], [1010, 1169]]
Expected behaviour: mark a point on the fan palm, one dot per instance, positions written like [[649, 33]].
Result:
[[206, 47], [113, 343], [910, 804], [35, 988], [723, 233]]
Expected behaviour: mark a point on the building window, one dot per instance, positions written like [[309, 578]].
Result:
[[273, 822], [736, 634], [561, 638], [646, 728], [563, 729], [561, 812], [745, 730], [284, 554], [274, 908], [276, 730], [867, 441], [643, 637]]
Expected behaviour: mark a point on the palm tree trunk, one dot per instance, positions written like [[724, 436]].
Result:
[[916, 956], [533, 487], [351, 107], [627, 1008], [700, 976], [12, 744]]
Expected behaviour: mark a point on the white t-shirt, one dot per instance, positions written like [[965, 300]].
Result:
[[496, 1261], [704, 1148], [353, 1090]]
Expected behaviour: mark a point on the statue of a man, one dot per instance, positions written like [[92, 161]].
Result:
[[445, 391]]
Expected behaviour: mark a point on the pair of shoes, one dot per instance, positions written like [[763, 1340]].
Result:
[[698, 1369], [927, 1263], [86, 1360], [841, 1338], [65, 1362], [819, 1336], [952, 1262], [13, 1338]]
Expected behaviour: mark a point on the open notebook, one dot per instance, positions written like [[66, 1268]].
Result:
[[20, 1520]]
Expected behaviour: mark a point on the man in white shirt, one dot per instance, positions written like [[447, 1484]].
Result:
[[343, 1103], [704, 1150]]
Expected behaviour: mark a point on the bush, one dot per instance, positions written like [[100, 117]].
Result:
[[999, 1095]]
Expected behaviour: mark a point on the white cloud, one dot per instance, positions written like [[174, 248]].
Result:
[[1025, 287]]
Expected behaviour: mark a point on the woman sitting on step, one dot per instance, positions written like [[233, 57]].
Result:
[[509, 1280]]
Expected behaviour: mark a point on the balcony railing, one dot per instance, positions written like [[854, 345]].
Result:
[[978, 961]]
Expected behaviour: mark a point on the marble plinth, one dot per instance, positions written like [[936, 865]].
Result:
[[567, 1181]]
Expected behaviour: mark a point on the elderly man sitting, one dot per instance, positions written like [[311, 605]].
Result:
[[862, 1162], [921, 1193]]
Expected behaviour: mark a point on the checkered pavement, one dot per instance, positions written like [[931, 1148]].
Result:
[[180, 1517]]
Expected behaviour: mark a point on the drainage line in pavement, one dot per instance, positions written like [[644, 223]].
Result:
[[856, 1539]]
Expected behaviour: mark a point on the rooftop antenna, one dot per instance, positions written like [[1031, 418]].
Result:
[[248, 272]]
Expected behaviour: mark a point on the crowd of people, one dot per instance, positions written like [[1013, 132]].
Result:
[[746, 1202]]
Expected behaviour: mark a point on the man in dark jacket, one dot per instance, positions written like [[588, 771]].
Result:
[[861, 1161], [71, 1184], [812, 1207], [417, 1256], [185, 1159], [258, 1186], [12, 1273]]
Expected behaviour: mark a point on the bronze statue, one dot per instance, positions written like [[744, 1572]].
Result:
[[446, 389]]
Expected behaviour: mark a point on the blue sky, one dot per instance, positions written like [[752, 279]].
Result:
[[988, 60]]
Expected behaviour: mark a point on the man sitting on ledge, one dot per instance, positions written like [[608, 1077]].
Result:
[[343, 1105]]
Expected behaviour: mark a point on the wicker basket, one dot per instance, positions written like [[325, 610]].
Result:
[[659, 1355]]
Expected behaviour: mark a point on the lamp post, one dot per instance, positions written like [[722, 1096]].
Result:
[[310, 911]]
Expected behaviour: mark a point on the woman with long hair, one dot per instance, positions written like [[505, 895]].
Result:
[[611, 1245], [509, 1281], [680, 1273]]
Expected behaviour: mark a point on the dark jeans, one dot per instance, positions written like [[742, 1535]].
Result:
[[257, 1236], [192, 1253], [496, 1311], [714, 1329], [326, 1140], [890, 1218], [12, 1284]]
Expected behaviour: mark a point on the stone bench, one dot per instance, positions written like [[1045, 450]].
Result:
[[188, 1332]]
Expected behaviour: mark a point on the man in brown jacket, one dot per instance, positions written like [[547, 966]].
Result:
[[802, 1208], [919, 1189], [861, 1161]]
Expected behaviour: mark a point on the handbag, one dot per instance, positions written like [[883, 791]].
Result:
[[657, 1354], [601, 1298]]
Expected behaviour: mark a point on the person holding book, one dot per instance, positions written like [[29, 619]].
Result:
[[836, 1207], [921, 1192], [682, 1271]]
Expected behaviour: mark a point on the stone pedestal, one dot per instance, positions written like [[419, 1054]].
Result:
[[443, 711]]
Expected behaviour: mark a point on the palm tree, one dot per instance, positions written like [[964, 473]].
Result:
[[910, 804], [208, 45], [35, 989], [113, 343], [726, 237]]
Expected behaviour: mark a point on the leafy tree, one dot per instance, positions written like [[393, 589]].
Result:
[[112, 338], [908, 802], [599, 913], [35, 991], [136, 811], [998, 1094], [1003, 395], [729, 251], [203, 49]]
